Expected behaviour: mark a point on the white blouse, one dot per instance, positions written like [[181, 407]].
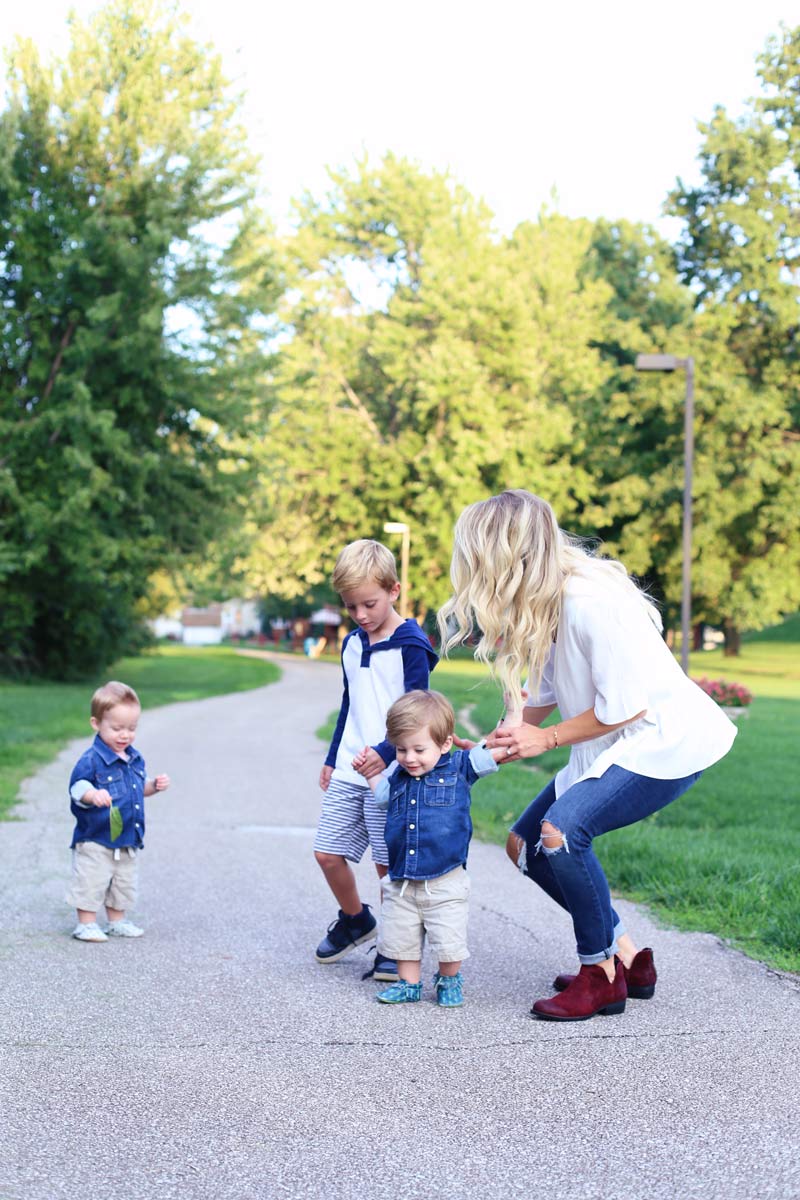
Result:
[[609, 656]]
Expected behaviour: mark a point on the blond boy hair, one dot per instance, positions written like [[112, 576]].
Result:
[[111, 694], [364, 561], [417, 710]]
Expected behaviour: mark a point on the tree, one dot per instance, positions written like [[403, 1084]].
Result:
[[426, 363], [133, 272], [727, 295], [632, 427], [740, 253]]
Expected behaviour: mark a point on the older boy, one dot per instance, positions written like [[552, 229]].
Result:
[[107, 789], [382, 659]]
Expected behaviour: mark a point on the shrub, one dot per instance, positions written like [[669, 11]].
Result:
[[725, 693]]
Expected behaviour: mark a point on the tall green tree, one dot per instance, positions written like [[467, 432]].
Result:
[[631, 427], [427, 362], [134, 274], [740, 252]]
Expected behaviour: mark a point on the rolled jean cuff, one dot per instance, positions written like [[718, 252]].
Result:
[[589, 960]]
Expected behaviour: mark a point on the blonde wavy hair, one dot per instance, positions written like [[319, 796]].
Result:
[[510, 565]]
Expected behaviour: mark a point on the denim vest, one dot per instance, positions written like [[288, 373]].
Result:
[[124, 782], [428, 823]]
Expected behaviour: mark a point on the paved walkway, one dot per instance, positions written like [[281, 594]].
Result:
[[213, 1059]]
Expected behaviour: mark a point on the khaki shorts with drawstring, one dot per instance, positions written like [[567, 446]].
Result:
[[413, 908], [98, 877]]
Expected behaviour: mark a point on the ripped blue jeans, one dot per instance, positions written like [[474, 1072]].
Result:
[[570, 873]]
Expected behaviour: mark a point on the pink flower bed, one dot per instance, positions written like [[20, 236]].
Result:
[[729, 695]]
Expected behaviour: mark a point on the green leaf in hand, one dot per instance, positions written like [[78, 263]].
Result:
[[115, 822]]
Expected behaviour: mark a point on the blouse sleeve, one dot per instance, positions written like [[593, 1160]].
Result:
[[614, 639], [546, 693]]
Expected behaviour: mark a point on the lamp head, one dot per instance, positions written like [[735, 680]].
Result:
[[658, 362]]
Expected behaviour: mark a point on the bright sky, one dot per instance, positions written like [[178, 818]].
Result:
[[517, 98]]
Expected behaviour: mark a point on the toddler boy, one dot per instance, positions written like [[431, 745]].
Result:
[[428, 830], [382, 658], [107, 790]]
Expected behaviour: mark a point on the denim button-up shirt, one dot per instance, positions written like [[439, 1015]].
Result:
[[124, 781], [428, 823]]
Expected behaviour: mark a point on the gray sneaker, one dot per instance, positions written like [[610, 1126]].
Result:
[[89, 933], [123, 928]]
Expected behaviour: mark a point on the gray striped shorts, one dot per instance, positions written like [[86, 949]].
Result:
[[350, 821]]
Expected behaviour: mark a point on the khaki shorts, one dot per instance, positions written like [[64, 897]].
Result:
[[414, 907], [98, 878]]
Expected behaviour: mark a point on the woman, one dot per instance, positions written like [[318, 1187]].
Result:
[[640, 731]]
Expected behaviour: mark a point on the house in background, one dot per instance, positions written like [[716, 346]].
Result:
[[202, 626], [208, 626], [240, 618], [167, 626]]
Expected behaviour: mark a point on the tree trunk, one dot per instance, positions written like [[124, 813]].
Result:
[[697, 636], [733, 640]]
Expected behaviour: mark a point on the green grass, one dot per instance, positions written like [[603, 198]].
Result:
[[724, 858], [36, 719]]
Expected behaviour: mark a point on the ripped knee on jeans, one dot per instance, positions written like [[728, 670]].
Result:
[[516, 850], [551, 840]]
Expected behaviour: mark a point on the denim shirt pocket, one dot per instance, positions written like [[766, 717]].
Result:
[[113, 780], [397, 801], [440, 791]]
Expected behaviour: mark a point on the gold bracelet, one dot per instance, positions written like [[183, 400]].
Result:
[[555, 735]]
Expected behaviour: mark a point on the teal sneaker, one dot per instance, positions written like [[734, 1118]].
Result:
[[401, 993], [449, 990]]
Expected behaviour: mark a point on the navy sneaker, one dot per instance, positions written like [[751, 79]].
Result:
[[345, 933], [383, 969]]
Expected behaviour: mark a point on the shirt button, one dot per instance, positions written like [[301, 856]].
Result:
[[413, 802], [136, 806], [411, 827], [411, 852], [441, 781]]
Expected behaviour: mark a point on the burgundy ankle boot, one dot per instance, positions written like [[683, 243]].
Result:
[[640, 977], [589, 993]]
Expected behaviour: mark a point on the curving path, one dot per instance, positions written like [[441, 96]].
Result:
[[213, 1059]]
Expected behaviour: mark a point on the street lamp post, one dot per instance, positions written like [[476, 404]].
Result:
[[401, 527], [668, 362]]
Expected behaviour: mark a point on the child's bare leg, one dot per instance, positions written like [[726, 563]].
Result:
[[115, 914], [85, 917], [341, 880], [449, 968], [409, 970]]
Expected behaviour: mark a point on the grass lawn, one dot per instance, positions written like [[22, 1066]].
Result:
[[724, 858], [36, 719]]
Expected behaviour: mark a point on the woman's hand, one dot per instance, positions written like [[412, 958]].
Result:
[[520, 741], [529, 739]]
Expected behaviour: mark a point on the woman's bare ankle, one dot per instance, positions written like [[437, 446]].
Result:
[[626, 949]]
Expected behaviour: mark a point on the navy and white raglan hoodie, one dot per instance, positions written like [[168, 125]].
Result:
[[374, 677]]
